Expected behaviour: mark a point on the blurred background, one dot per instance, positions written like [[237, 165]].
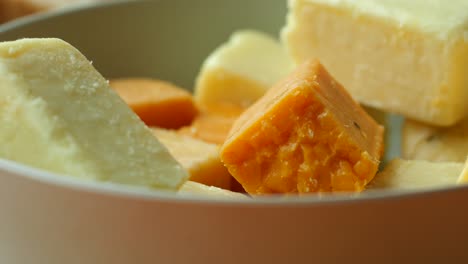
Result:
[[13, 9]]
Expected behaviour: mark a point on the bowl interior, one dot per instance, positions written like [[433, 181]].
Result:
[[161, 39]]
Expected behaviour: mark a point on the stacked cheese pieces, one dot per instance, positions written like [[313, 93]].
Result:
[[405, 57]]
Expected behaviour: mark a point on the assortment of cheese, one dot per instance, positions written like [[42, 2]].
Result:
[[306, 114]]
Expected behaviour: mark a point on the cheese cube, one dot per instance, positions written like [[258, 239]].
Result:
[[417, 174], [408, 57], [198, 189], [201, 159], [241, 70], [58, 113], [424, 142], [157, 103], [305, 135]]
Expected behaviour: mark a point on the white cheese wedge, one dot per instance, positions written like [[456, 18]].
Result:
[[199, 158], [195, 188], [241, 70], [424, 142], [417, 174], [403, 56], [59, 114]]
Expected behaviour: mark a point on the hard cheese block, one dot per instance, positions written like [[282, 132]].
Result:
[[157, 103], [305, 135], [59, 114], [408, 57], [201, 159], [417, 174], [241, 70], [424, 142]]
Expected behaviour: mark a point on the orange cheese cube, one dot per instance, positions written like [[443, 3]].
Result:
[[157, 103], [213, 123], [305, 135], [200, 159]]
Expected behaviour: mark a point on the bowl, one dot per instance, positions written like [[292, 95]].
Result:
[[47, 218]]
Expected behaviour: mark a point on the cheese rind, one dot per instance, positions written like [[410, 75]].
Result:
[[59, 114], [200, 159], [241, 70], [417, 174], [305, 135], [424, 142], [407, 57]]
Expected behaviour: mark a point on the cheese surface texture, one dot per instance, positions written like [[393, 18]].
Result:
[[305, 135], [416, 174], [424, 142], [58, 113], [408, 57], [241, 70], [200, 159]]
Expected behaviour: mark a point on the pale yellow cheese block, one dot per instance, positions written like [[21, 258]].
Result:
[[241, 70], [425, 142], [198, 189], [403, 56], [200, 158], [417, 174], [58, 113], [463, 178]]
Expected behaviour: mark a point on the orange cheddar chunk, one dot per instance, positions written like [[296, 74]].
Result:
[[199, 158], [305, 135], [157, 103], [213, 123]]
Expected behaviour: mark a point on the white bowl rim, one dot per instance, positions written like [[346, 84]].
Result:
[[112, 189], [146, 193]]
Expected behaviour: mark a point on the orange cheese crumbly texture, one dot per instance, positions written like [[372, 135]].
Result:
[[157, 103], [305, 135]]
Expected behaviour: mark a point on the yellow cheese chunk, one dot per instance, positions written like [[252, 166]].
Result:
[[59, 114], [403, 56], [200, 158], [463, 178], [195, 188], [417, 174], [241, 70], [425, 142]]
